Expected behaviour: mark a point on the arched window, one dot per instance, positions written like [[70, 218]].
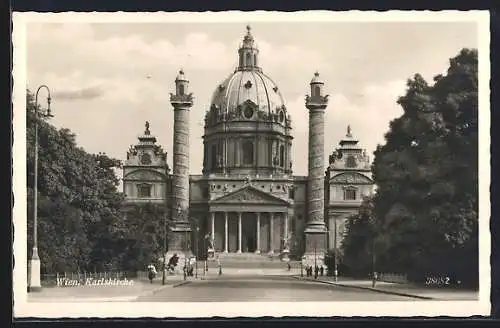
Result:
[[350, 194], [249, 60], [213, 161], [255, 60], [282, 155], [247, 153], [317, 91], [181, 89]]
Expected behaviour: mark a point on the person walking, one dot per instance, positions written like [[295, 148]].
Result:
[[151, 272]]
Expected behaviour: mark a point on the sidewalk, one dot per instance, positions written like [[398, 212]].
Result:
[[409, 290], [103, 293]]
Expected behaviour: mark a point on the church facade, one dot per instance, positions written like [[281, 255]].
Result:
[[247, 199]]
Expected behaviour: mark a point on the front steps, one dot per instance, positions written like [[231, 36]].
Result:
[[251, 261]]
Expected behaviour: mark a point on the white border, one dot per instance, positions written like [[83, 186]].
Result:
[[228, 309]]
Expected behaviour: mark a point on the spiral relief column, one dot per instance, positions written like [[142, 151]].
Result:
[[315, 232], [179, 240]]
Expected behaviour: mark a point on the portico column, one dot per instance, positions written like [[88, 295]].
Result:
[[225, 232], [213, 226], [239, 232], [271, 232], [258, 233]]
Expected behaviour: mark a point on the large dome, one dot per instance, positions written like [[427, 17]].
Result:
[[244, 85]]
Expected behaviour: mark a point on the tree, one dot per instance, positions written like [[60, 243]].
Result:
[[424, 214], [426, 174], [141, 235], [77, 194]]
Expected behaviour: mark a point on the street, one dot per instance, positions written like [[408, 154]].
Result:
[[262, 288]]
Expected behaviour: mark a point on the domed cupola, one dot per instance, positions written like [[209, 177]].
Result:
[[248, 93], [247, 127]]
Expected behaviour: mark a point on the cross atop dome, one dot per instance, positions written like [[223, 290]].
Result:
[[248, 39]]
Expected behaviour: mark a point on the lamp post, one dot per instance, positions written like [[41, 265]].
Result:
[[34, 265], [315, 262], [185, 256], [196, 251], [164, 248], [335, 272]]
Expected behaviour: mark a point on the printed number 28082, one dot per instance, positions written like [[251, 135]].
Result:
[[437, 280]]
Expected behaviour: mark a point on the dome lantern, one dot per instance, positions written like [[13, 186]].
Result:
[[248, 53]]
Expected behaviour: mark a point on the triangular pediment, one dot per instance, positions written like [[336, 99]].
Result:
[[351, 178], [249, 195]]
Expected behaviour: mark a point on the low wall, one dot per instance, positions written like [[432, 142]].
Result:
[[393, 277]]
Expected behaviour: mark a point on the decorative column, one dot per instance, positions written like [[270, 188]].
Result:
[[286, 250], [271, 233], [257, 251], [239, 232], [225, 233], [181, 101], [315, 231]]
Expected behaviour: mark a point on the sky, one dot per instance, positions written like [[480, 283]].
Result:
[[108, 79]]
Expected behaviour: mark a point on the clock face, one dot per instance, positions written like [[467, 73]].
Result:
[[146, 159], [248, 112]]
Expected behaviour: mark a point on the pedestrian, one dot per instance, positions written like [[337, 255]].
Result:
[[151, 272], [321, 271], [288, 266], [375, 277], [316, 269]]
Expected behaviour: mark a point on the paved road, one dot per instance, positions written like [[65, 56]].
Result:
[[261, 289]]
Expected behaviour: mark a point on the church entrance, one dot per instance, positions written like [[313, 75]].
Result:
[[249, 233]]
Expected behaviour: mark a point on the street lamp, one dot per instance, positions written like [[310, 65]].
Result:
[[335, 272], [185, 255], [34, 265], [315, 262], [164, 248], [196, 250]]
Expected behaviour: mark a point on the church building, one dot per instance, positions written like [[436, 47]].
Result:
[[247, 199]]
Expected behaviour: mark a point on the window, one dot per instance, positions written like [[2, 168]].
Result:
[[247, 153], [350, 194], [144, 191], [181, 89], [350, 161], [282, 155], [317, 91], [255, 59], [249, 60]]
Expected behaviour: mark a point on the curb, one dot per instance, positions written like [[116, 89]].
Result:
[[369, 288], [181, 283]]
